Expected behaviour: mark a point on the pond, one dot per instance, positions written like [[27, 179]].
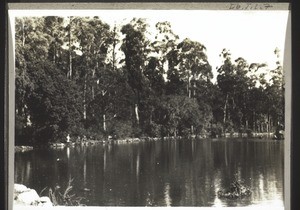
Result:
[[160, 173]]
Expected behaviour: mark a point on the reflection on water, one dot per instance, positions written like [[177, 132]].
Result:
[[168, 199], [68, 152], [160, 173]]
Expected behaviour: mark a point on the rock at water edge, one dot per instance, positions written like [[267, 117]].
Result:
[[28, 198], [45, 201], [19, 188]]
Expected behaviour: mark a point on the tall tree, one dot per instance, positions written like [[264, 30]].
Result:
[[52, 102], [94, 39], [54, 26], [193, 63], [31, 46], [135, 49]]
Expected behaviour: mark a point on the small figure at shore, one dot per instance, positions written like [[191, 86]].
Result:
[[78, 139], [68, 138], [279, 133], [84, 138]]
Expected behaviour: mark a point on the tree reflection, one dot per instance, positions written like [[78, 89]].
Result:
[[160, 173]]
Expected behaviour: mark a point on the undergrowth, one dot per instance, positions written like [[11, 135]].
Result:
[[64, 197]]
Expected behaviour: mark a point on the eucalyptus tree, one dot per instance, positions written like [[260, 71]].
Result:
[[71, 41], [279, 83], [164, 40], [22, 80], [248, 96], [54, 26], [93, 37], [53, 103], [135, 48], [194, 69], [274, 92], [251, 101], [114, 52], [49, 98], [241, 87], [225, 80], [23, 27], [193, 64], [176, 115], [31, 46], [233, 82], [175, 84]]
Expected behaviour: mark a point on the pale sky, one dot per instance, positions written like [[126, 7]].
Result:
[[253, 35]]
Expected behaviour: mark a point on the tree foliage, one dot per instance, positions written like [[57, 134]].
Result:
[[79, 76]]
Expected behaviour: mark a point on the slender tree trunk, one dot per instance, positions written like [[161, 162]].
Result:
[[193, 94], [84, 97], [70, 51], [189, 86], [93, 88], [84, 171], [225, 154], [151, 115], [260, 127], [194, 89], [104, 162], [225, 109], [114, 49], [23, 71], [254, 121], [268, 124], [104, 122], [23, 44], [23, 33], [54, 53], [136, 108], [104, 114], [136, 111]]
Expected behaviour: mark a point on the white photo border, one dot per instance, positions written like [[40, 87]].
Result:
[[49, 8]]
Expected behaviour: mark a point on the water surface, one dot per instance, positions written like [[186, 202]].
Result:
[[160, 173]]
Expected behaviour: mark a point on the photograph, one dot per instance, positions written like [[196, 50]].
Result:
[[162, 106]]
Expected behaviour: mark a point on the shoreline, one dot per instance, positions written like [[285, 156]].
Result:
[[57, 145]]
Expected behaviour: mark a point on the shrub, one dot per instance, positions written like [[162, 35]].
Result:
[[236, 190], [249, 133], [121, 129], [153, 129], [216, 130], [63, 199]]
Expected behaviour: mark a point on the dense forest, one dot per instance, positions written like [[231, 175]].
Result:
[[79, 76]]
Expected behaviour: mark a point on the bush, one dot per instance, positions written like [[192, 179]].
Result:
[[121, 129], [153, 130], [229, 128], [63, 199], [216, 130], [249, 133], [185, 132], [236, 190]]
